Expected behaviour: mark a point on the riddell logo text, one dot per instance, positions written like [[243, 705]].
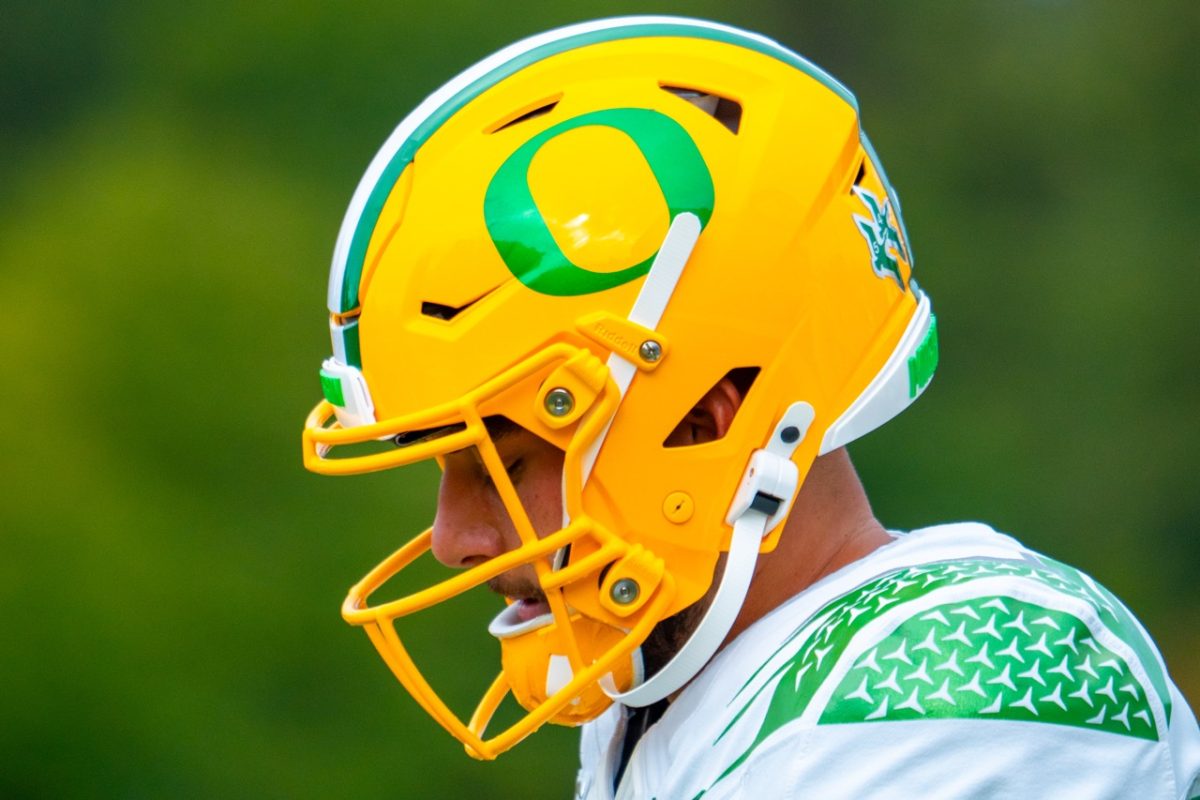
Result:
[[612, 337]]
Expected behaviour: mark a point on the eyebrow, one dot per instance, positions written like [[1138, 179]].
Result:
[[499, 427]]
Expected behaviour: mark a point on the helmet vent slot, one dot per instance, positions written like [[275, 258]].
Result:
[[446, 312], [722, 109], [858, 176], [441, 311], [525, 116], [687, 431]]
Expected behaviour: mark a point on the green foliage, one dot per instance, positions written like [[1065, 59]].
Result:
[[174, 181]]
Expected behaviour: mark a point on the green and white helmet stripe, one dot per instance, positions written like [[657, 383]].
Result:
[[385, 169], [903, 378]]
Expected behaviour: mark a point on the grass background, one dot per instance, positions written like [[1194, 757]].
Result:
[[172, 180]]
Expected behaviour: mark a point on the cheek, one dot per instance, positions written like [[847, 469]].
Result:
[[541, 494], [547, 513]]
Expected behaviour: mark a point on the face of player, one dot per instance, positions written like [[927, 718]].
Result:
[[472, 525]]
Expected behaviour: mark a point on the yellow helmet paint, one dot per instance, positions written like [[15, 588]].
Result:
[[583, 234]]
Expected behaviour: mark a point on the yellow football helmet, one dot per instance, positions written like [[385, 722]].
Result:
[[583, 234]]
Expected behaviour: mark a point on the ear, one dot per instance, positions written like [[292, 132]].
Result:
[[709, 419]]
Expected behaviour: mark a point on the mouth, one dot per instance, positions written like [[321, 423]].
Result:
[[527, 608], [523, 613], [525, 599]]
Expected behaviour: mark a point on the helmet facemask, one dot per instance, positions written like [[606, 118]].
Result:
[[560, 665]]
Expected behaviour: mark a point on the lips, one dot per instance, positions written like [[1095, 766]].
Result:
[[525, 598], [521, 616]]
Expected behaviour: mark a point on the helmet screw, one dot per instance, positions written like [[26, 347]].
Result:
[[625, 591], [789, 434], [559, 402], [650, 350]]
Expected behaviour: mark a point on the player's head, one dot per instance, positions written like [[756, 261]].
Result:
[[573, 243]]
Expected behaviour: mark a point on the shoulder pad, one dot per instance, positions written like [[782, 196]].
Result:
[[994, 657], [1035, 641]]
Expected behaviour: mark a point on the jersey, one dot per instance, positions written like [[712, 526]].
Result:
[[950, 663]]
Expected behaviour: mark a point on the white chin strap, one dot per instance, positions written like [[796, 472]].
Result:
[[762, 502]]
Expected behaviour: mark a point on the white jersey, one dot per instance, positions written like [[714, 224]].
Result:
[[951, 663]]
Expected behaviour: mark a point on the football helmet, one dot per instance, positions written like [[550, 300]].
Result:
[[583, 234]]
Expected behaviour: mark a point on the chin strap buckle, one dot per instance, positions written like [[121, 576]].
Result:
[[771, 478], [767, 487]]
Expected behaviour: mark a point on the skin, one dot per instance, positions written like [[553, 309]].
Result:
[[472, 525], [830, 525]]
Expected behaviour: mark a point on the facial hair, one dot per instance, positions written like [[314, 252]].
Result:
[[673, 632]]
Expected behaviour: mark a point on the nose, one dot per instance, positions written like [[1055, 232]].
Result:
[[467, 529]]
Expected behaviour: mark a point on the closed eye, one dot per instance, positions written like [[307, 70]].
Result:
[[514, 470]]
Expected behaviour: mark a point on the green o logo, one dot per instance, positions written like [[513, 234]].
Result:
[[525, 242]]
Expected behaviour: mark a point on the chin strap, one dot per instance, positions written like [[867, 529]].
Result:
[[762, 502], [748, 531]]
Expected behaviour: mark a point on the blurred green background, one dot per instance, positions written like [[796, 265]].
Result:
[[171, 182]]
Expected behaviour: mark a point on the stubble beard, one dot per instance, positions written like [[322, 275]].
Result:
[[674, 632], [670, 635]]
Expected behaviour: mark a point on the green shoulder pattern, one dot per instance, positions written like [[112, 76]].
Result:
[[1058, 690], [994, 658]]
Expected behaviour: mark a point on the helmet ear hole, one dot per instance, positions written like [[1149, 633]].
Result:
[[741, 379], [724, 110]]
